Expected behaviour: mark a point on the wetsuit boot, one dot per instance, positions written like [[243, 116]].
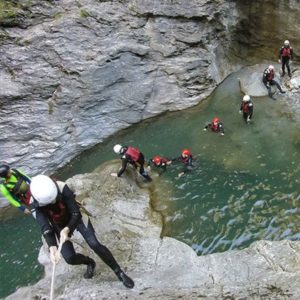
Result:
[[127, 281], [89, 273]]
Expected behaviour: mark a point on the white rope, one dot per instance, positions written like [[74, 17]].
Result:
[[53, 273]]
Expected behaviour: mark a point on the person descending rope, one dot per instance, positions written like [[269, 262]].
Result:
[[216, 126], [268, 80], [58, 214], [15, 187], [186, 158], [133, 156], [160, 163], [286, 57], [247, 108]]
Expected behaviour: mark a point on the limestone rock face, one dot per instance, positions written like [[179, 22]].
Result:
[[75, 72], [162, 268]]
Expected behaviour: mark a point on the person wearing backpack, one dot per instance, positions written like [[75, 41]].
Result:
[[14, 187], [58, 214], [132, 156]]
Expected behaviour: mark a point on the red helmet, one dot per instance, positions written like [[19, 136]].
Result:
[[215, 120], [156, 160], [185, 152]]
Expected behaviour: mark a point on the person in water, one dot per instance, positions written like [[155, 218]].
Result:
[[132, 156], [160, 163], [286, 57], [268, 80], [216, 126], [15, 187], [58, 214], [247, 108], [186, 158]]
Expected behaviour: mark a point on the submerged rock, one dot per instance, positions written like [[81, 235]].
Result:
[[163, 268]]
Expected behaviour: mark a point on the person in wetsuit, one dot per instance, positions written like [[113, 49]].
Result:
[[186, 158], [268, 80], [160, 163], [285, 57], [216, 126], [58, 214], [246, 108], [132, 156], [14, 187]]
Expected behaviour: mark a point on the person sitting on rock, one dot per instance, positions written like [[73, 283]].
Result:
[[186, 158], [58, 214], [133, 156], [268, 80], [286, 57], [216, 126], [15, 187], [247, 108], [160, 163]]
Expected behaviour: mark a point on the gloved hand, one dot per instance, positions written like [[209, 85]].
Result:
[[240, 111], [27, 211], [54, 255], [279, 61], [64, 235]]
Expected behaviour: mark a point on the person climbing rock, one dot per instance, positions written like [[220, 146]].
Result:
[[216, 126], [247, 108], [268, 80], [133, 156], [286, 57], [15, 187], [186, 158], [58, 214], [160, 163]]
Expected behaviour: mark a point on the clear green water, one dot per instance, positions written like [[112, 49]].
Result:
[[19, 247], [244, 186]]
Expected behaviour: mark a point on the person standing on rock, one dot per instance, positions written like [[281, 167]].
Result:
[[133, 156], [216, 126], [55, 209], [268, 80], [286, 57], [15, 187], [247, 108]]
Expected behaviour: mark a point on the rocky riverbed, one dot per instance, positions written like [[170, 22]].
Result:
[[163, 268]]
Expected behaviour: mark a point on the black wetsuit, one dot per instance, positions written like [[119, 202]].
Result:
[[66, 213], [188, 162], [162, 166]]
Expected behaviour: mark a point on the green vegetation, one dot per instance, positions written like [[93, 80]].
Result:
[[84, 13], [8, 10]]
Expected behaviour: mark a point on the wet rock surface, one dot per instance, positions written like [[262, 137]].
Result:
[[162, 268]]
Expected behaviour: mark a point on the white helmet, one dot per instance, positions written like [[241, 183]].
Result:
[[271, 67], [117, 148], [246, 98], [286, 42], [43, 189]]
